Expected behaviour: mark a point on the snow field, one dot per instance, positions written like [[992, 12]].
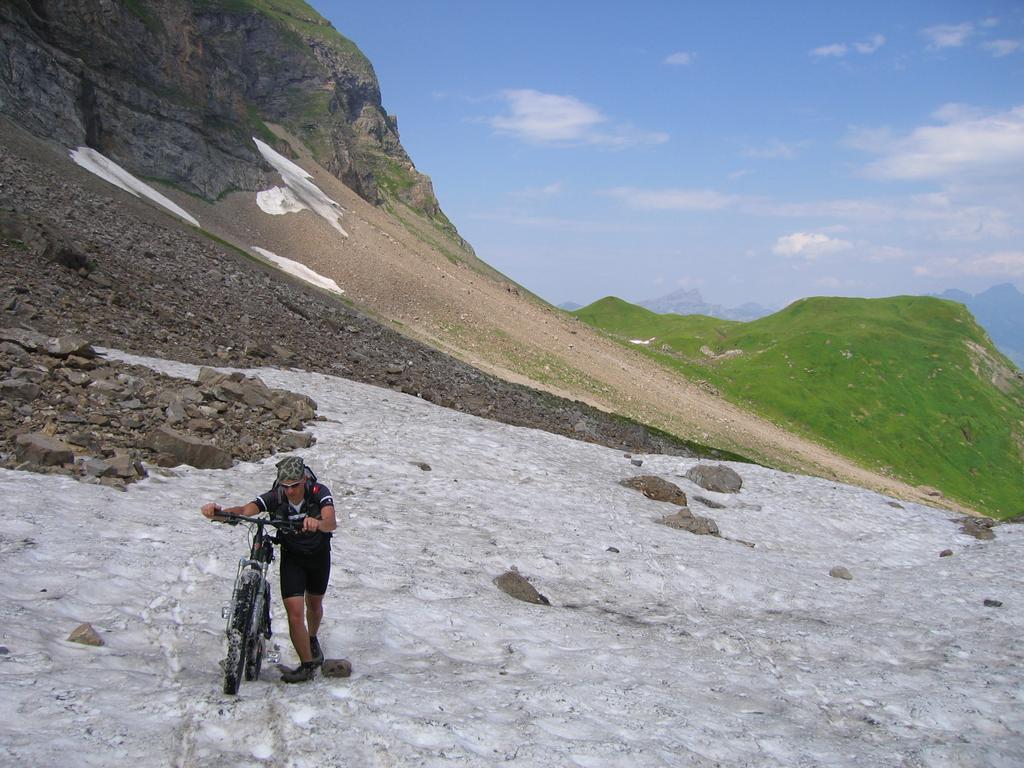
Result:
[[679, 650]]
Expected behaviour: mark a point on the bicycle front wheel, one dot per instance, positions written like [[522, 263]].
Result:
[[240, 630], [258, 637]]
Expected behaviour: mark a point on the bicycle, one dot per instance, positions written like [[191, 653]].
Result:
[[248, 628]]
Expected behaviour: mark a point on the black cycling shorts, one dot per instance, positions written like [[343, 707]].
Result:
[[301, 574]]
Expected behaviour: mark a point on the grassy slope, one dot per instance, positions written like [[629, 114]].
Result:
[[888, 382]]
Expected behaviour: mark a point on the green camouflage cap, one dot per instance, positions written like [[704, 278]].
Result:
[[290, 469]]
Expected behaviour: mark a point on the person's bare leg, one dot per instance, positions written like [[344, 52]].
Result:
[[314, 613], [295, 608]]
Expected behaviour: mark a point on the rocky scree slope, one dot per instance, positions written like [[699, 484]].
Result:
[[175, 90], [77, 262]]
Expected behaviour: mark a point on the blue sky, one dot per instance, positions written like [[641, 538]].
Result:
[[755, 151]]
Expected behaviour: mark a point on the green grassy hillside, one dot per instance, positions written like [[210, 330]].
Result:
[[908, 385]]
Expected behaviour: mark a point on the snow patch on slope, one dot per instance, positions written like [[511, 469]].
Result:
[[300, 193], [299, 270], [110, 171]]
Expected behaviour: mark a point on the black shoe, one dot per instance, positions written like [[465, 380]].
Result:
[[302, 673], [314, 648]]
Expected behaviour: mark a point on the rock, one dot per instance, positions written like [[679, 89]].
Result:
[[895, 504], [637, 462], [654, 487], [613, 550], [839, 572], [927, 490], [422, 465], [175, 412], [201, 454], [43, 450], [94, 467], [86, 635], [336, 668], [978, 527], [19, 389], [28, 374], [513, 584], [718, 478], [990, 603], [126, 467], [67, 346], [28, 340], [293, 441], [946, 553], [709, 503], [685, 520]]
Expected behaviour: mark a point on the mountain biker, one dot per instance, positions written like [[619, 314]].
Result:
[[305, 555]]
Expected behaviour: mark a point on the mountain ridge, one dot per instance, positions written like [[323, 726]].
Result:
[[910, 383]]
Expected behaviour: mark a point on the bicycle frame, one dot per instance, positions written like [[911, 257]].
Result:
[[248, 616]]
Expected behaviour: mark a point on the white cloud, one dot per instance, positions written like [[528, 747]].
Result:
[[1000, 48], [543, 117], [671, 199], [1000, 264], [870, 46], [774, 148], [968, 144], [948, 35], [681, 58], [540, 193], [809, 245], [1009, 263], [838, 50], [547, 118], [882, 253]]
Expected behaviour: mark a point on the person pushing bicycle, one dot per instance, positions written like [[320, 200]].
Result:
[[305, 554]]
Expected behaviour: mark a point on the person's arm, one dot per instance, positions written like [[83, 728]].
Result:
[[249, 509], [326, 523]]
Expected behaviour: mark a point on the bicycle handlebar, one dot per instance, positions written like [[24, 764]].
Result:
[[233, 519]]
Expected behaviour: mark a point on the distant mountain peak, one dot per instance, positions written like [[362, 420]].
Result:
[[688, 301]]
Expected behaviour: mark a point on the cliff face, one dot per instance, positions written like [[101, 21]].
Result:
[[174, 90]]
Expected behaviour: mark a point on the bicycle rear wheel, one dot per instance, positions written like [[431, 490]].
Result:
[[240, 631]]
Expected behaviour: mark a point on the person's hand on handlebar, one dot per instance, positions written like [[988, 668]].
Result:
[[310, 524], [209, 510]]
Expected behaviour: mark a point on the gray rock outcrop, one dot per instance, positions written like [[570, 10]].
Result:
[[715, 477]]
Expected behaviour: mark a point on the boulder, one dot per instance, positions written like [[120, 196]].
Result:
[[21, 390], [86, 635], [978, 527], [43, 450], [654, 487], [715, 477], [685, 520], [68, 346], [336, 668], [513, 584], [839, 572], [202, 454], [293, 441]]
